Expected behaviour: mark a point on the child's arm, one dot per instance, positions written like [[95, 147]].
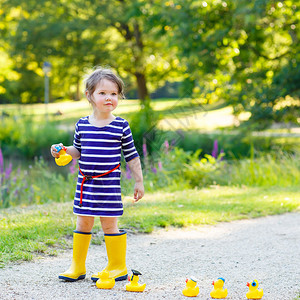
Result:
[[136, 170], [70, 150]]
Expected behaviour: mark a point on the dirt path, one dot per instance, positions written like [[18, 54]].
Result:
[[266, 249]]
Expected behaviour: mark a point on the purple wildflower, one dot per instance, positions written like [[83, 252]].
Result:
[[1, 162], [215, 149], [31, 194], [154, 170], [167, 146], [8, 171], [128, 172], [173, 142], [221, 152], [160, 165], [72, 166], [145, 149]]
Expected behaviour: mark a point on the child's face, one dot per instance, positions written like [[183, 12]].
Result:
[[105, 96]]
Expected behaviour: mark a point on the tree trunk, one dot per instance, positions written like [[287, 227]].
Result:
[[141, 85], [77, 90]]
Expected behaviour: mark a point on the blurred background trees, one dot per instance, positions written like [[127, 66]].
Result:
[[243, 52]]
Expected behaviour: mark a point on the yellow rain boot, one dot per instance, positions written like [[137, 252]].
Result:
[[116, 254], [81, 242]]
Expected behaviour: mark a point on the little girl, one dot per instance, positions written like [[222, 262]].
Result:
[[98, 141]]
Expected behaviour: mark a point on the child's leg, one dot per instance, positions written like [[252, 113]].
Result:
[[115, 242], [109, 225], [81, 241], [84, 223]]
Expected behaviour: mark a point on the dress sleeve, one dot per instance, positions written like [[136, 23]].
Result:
[[128, 147], [76, 141]]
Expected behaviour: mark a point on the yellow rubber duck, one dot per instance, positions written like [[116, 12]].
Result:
[[104, 282], [218, 292], [254, 292], [191, 289], [134, 286], [63, 158]]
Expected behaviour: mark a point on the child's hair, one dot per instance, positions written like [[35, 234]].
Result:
[[102, 73]]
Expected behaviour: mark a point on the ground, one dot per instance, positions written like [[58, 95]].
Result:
[[266, 249]]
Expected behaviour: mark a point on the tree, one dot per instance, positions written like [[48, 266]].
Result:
[[76, 35], [246, 52]]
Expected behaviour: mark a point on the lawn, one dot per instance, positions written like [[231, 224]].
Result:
[[186, 114], [29, 232], [175, 113]]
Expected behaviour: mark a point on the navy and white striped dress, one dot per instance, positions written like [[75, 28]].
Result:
[[100, 149]]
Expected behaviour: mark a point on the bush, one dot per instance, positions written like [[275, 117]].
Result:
[[21, 136], [274, 169], [36, 185], [143, 126], [176, 169], [235, 145]]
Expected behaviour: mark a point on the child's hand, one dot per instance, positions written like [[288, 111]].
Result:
[[53, 151], [138, 191]]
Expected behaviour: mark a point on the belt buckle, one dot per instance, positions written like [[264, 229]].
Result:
[[88, 177]]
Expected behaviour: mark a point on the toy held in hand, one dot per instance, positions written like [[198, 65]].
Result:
[[63, 158]]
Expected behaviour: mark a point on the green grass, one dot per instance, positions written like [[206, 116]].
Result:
[[180, 112], [40, 230], [36, 230]]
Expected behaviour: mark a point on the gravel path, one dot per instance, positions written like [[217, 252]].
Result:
[[266, 249]]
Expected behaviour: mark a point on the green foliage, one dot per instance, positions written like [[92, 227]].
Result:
[[234, 144], [273, 169], [36, 185], [246, 52], [21, 136], [143, 125], [243, 52], [202, 172], [75, 36], [174, 169]]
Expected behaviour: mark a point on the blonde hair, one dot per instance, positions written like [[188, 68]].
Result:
[[103, 73]]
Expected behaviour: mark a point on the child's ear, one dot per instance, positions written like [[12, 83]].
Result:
[[88, 95]]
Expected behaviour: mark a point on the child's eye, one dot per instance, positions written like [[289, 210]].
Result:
[[101, 93], [114, 94]]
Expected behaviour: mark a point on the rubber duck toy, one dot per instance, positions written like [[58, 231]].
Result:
[[191, 289], [254, 292], [134, 286], [218, 292], [104, 282], [63, 158]]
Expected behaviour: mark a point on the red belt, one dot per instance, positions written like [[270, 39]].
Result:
[[92, 177]]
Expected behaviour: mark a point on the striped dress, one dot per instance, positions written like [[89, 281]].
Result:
[[100, 149]]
